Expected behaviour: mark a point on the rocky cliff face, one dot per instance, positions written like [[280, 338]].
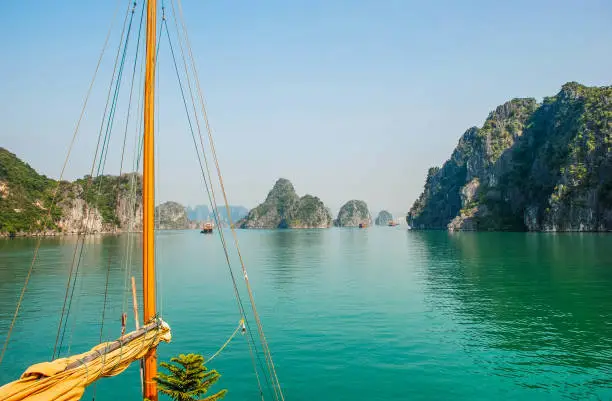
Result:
[[101, 204], [353, 213], [383, 218], [171, 216], [283, 208], [104, 204], [537, 167]]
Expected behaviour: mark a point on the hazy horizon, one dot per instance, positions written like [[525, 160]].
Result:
[[347, 100]]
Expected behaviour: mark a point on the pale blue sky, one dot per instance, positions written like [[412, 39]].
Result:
[[347, 99]]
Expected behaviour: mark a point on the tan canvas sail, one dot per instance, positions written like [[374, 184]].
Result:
[[65, 379]]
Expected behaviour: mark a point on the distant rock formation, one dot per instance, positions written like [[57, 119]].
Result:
[[383, 218], [198, 213], [171, 216], [202, 213], [353, 213], [283, 208], [236, 212]]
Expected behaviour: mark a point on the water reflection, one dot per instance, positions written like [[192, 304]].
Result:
[[292, 254], [55, 257], [542, 301]]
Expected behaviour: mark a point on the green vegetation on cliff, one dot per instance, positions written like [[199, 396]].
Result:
[[24, 196], [283, 208], [531, 166], [103, 193]]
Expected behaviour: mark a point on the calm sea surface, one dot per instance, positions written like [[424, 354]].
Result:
[[373, 314]]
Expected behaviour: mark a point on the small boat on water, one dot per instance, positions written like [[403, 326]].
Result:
[[207, 228], [392, 223], [363, 225]]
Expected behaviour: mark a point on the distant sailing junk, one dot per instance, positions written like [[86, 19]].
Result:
[[394, 222], [207, 228]]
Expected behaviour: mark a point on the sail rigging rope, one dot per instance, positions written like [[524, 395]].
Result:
[[240, 326], [74, 321], [132, 188], [61, 176], [76, 275], [209, 191], [213, 152], [101, 163], [109, 124], [111, 116], [80, 233], [127, 120], [271, 367]]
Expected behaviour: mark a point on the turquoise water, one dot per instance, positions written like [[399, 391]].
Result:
[[374, 314]]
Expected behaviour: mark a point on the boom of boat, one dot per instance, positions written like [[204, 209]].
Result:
[[65, 379]]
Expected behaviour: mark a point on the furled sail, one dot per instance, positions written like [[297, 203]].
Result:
[[65, 379]]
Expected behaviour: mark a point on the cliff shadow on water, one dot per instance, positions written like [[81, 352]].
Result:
[[540, 300]]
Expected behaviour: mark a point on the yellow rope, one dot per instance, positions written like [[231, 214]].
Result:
[[213, 151], [240, 325], [208, 179]]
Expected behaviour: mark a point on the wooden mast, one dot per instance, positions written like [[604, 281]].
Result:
[[148, 198]]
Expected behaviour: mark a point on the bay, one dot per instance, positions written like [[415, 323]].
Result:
[[373, 314]]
